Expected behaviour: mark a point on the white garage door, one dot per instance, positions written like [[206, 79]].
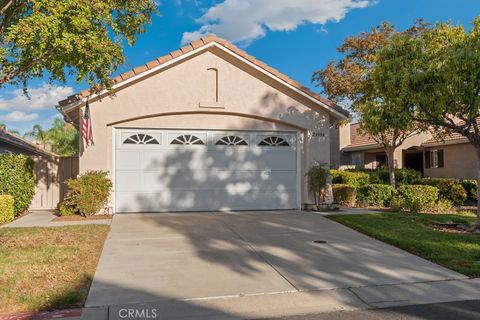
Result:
[[172, 170]]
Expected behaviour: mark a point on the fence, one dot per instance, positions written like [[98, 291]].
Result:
[[51, 173]]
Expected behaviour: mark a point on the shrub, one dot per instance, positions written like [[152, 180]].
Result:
[[67, 209], [375, 194], [317, 181], [449, 188], [351, 178], [415, 198], [344, 194], [470, 187], [88, 193], [382, 176], [7, 212], [458, 195], [17, 179], [444, 206]]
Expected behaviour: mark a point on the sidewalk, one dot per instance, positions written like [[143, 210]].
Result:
[[289, 303], [43, 218]]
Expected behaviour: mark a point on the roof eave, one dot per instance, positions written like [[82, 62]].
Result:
[[68, 107]]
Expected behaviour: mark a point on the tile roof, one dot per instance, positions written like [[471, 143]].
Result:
[[13, 139], [195, 45]]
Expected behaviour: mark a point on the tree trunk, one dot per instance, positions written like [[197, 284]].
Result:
[[477, 222], [391, 165]]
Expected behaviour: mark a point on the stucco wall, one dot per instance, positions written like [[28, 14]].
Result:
[[460, 162], [182, 97]]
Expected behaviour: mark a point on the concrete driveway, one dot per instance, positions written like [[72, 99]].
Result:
[[195, 256]]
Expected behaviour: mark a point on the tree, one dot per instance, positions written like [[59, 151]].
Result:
[[4, 127], [63, 138], [351, 80], [437, 77], [83, 38], [39, 134]]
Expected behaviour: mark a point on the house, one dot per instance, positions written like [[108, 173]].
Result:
[[451, 157], [12, 143], [50, 169], [206, 127]]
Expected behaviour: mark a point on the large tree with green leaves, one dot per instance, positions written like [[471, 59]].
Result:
[[437, 77], [350, 80], [63, 138], [83, 38]]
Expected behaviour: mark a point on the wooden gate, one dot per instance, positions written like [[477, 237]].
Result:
[[50, 175]]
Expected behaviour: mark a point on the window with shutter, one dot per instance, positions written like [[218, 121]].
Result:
[[427, 159], [440, 159]]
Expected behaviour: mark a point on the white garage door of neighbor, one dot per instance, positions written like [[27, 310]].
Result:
[[194, 170]]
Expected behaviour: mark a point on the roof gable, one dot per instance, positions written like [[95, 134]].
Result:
[[138, 73]]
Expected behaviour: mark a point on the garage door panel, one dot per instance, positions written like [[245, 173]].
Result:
[[215, 179], [182, 177], [128, 159], [205, 200]]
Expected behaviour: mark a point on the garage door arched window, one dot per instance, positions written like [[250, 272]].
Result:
[[187, 139], [231, 141], [141, 138], [273, 141]]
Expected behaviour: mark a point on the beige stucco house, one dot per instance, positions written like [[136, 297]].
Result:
[[451, 157], [206, 127]]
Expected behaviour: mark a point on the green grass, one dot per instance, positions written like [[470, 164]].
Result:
[[48, 268], [456, 251]]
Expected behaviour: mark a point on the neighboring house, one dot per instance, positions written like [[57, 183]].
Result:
[[50, 170], [206, 127], [452, 157], [11, 143]]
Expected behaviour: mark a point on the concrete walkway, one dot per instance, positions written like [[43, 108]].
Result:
[[44, 218]]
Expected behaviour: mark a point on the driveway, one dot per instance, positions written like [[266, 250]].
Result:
[[195, 256]]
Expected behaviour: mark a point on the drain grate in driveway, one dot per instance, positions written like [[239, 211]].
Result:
[[319, 241]]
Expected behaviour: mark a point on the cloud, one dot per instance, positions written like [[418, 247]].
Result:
[[243, 21], [19, 116], [42, 97]]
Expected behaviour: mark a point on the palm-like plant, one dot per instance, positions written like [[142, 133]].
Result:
[[39, 134], [63, 138]]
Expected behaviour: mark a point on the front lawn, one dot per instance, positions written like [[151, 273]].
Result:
[[456, 251], [48, 268]]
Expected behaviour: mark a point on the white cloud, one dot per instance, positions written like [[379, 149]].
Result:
[[243, 21], [19, 116], [42, 97]]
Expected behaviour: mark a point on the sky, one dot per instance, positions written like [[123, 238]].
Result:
[[296, 37]]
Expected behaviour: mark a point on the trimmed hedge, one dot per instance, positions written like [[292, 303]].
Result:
[[381, 175], [415, 198], [7, 213], [344, 194], [17, 179], [351, 178], [378, 195], [450, 189]]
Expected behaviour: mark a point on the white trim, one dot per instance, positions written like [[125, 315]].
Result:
[[299, 145], [114, 173], [73, 105]]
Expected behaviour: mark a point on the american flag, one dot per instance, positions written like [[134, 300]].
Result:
[[87, 127]]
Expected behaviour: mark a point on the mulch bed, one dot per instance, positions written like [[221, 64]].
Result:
[[77, 217], [451, 228]]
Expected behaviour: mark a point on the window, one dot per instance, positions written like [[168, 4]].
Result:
[[140, 138], [434, 159], [187, 139], [231, 141], [273, 141]]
